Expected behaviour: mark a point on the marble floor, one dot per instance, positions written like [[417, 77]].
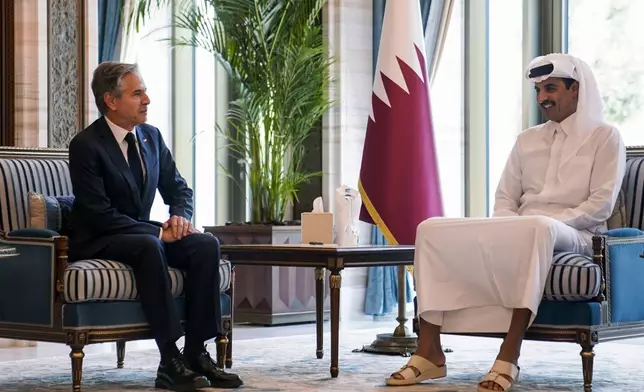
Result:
[[242, 332], [546, 367], [618, 364]]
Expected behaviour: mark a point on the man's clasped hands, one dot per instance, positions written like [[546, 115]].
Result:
[[176, 228]]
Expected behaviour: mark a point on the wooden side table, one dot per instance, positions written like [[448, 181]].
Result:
[[330, 257]]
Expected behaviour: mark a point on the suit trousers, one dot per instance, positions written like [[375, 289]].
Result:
[[198, 255]]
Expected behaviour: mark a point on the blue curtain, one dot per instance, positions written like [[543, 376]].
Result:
[[382, 282], [109, 24]]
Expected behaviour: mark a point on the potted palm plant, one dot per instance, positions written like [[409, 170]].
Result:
[[279, 69]]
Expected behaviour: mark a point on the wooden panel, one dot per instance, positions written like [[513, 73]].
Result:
[[6, 73]]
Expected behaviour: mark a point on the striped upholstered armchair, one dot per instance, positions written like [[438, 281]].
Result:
[[45, 298], [588, 300]]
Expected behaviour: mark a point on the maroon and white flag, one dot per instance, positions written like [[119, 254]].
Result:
[[399, 182]]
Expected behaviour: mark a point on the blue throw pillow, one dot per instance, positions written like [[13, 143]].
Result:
[[65, 204]]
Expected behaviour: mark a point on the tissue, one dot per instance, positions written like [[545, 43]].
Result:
[[317, 225], [347, 211], [318, 205]]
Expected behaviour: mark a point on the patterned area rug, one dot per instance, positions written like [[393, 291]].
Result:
[[289, 364]]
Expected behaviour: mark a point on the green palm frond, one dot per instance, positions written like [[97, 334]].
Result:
[[274, 53]]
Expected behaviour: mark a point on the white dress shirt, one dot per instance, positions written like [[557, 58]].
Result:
[[120, 134], [569, 174]]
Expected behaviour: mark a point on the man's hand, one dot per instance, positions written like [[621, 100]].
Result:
[[178, 226], [167, 236]]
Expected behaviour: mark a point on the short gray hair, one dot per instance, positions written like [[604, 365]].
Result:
[[107, 78]]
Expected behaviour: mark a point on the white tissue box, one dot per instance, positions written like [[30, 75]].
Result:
[[317, 227]]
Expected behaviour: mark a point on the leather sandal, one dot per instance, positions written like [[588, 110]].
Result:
[[417, 370], [496, 376]]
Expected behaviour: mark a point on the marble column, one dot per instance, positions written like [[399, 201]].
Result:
[[30, 60], [66, 72], [348, 30], [52, 96]]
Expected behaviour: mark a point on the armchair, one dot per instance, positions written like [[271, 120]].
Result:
[[595, 299], [45, 298]]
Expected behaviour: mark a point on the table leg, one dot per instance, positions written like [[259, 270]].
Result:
[[319, 311], [335, 283]]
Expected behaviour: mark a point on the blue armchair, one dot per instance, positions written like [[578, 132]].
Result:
[[588, 300], [45, 298]]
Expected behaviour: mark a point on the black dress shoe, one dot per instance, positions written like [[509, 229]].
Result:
[[206, 366], [176, 376]]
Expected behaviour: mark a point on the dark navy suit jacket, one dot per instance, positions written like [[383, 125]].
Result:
[[107, 201]]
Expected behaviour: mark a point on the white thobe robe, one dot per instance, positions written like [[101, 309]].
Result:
[[558, 188]]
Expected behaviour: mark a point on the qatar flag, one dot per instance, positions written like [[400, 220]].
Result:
[[399, 181]]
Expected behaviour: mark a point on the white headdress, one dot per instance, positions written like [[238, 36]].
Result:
[[590, 106]]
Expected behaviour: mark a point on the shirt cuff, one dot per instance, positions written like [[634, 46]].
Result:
[[160, 232]]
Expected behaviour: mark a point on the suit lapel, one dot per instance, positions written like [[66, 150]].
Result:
[[115, 153]]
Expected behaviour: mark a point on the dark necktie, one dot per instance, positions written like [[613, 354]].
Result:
[[134, 160]]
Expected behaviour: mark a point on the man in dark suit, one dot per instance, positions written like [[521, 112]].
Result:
[[116, 165]]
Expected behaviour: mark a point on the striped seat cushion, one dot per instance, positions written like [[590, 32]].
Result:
[[105, 280], [572, 277]]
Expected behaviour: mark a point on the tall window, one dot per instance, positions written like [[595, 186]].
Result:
[[205, 136], [505, 73], [607, 35], [211, 184], [204, 141], [446, 95]]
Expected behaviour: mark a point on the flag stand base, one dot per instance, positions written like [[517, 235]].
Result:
[[389, 343], [400, 342]]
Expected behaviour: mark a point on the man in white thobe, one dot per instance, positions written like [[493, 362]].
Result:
[[559, 186]]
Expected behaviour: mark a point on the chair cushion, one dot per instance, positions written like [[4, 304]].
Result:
[[565, 314], [121, 314], [106, 280], [572, 277]]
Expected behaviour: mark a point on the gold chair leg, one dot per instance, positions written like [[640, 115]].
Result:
[[587, 359], [120, 354], [222, 342], [77, 356]]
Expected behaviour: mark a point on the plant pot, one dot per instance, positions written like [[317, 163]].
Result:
[[270, 295]]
